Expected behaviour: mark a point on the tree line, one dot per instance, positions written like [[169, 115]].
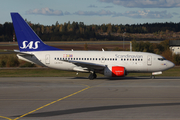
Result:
[[80, 32], [161, 48]]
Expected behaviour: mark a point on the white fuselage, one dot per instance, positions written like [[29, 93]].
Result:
[[131, 61]]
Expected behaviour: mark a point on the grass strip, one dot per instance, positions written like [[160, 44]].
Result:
[[175, 72]]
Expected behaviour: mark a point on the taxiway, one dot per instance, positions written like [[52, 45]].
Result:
[[45, 98]]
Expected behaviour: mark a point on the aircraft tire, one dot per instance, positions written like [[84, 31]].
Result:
[[152, 77], [92, 76]]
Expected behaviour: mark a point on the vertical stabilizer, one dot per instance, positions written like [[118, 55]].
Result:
[[26, 37]]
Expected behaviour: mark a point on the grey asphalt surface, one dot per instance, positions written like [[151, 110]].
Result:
[[68, 98]]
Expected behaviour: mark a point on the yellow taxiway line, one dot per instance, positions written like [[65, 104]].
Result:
[[87, 87], [5, 118]]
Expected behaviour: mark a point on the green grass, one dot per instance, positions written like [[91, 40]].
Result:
[[58, 73]]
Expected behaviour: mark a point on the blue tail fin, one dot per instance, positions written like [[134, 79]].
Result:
[[26, 37]]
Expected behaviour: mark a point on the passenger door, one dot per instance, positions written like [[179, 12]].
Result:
[[149, 60], [47, 59]]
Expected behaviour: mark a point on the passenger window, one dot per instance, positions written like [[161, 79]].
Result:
[[84, 58]]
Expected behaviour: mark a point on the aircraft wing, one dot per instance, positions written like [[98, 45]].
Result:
[[89, 66]]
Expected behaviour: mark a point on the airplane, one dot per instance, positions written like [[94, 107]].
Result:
[[109, 63]]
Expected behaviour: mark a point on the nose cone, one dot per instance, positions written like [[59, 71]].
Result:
[[170, 64]]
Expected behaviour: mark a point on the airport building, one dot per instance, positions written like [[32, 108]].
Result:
[[174, 46]]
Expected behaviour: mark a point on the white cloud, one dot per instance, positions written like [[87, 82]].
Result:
[[146, 14], [46, 11], [132, 14], [145, 3], [175, 13], [108, 7], [67, 13], [92, 6], [97, 13]]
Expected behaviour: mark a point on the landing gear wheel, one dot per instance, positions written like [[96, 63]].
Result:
[[95, 76], [92, 76], [152, 77]]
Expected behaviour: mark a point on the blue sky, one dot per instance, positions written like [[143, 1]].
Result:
[[47, 12]]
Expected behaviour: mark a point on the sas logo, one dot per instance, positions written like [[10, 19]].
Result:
[[30, 45]]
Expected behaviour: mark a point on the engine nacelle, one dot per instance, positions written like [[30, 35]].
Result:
[[115, 71]]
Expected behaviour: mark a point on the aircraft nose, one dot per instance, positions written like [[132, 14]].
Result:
[[171, 64]]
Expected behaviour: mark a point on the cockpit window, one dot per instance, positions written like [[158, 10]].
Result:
[[161, 59]]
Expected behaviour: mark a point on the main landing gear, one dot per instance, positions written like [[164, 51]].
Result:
[[92, 75]]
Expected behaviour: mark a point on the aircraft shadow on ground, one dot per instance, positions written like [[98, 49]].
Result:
[[127, 78], [113, 78], [92, 109]]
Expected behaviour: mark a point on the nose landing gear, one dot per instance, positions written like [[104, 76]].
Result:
[[152, 77]]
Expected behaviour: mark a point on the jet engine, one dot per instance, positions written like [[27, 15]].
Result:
[[115, 71]]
